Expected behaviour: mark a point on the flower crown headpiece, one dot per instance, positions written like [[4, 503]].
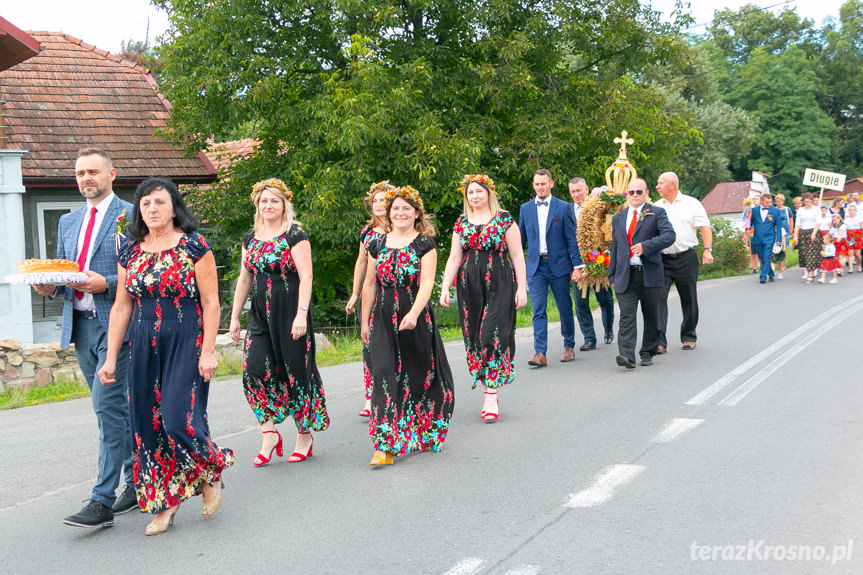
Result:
[[383, 186], [405, 192], [272, 183], [482, 178]]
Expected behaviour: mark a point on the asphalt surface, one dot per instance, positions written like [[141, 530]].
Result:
[[742, 456]]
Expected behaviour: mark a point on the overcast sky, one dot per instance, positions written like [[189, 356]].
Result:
[[107, 23]]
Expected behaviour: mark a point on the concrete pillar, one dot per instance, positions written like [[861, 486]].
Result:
[[16, 318]]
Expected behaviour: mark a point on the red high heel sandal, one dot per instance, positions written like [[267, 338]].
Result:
[[302, 456], [260, 459], [486, 416]]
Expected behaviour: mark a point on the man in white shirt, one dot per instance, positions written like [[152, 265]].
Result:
[[604, 296], [687, 215]]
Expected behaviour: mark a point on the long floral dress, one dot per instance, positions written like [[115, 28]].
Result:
[[486, 286], [367, 235], [412, 393], [174, 454], [280, 376]]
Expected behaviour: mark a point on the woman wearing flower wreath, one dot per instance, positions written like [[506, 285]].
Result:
[[171, 299], [377, 203], [280, 376], [487, 261], [412, 390]]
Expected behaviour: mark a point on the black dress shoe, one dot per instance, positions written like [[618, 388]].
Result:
[[624, 362], [588, 345], [646, 360], [609, 337], [127, 501], [771, 279], [762, 280], [93, 515]]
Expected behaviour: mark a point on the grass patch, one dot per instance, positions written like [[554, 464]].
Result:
[[60, 390]]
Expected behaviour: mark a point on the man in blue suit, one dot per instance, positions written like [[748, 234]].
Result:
[[638, 234], [547, 227], [766, 226], [86, 236]]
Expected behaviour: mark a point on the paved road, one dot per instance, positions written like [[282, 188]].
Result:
[[739, 457]]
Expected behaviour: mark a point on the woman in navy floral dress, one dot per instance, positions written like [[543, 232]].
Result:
[[412, 392], [171, 299], [373, 229], [487, 262], [280, 376]]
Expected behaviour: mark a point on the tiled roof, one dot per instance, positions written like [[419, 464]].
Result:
[[223, 154], [726, 198], [72, 95]]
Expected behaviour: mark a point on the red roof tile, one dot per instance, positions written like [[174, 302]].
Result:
[[726, 198], [72, 95], [223, 154]]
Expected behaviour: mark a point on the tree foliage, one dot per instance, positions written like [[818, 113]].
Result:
[[343, 93]]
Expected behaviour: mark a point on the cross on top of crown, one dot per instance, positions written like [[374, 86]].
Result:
[[623, 141]]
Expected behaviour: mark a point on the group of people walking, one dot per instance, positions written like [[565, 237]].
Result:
[[828, 240], [148, 315]]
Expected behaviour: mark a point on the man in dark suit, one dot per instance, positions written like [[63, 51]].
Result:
[[639, 233], [766, 225], [86, 236], [547, 227]]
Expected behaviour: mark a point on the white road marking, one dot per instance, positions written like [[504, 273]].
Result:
[[467, 566], [735, 396], [768, 352], [524, 570], [675, 428], [49, 494], [605, 485]]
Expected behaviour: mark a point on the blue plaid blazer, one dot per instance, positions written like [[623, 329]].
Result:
[[103, 261]]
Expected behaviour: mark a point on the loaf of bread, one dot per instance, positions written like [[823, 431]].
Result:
[[44, 266]]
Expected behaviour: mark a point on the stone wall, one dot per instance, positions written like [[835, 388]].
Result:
[[39, 364], [36, 365]]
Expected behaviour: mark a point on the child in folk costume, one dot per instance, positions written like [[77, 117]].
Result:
[[829, 263], [840, 236], [854, 229], [824, 221]]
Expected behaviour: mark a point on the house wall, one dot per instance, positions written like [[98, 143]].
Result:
[[15, 320]]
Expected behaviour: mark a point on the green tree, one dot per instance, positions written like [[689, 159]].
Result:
[[841, 74], [343, 93], [793, 132], [691, 91], [737, 34]]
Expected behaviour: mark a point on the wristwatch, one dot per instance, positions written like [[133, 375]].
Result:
[[709, 249], [303, 307]]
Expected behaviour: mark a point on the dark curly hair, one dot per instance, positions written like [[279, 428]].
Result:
[[183, 218]]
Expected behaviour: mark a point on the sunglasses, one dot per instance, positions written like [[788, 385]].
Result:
[[636, 192]]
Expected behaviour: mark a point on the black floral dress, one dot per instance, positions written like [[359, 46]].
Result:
[[412, 393], [367, 235], [486, 286], [173, 451], [280, 376]]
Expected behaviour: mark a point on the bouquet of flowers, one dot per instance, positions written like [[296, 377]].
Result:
[[596, 263]]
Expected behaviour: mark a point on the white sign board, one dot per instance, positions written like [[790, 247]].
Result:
[[826, 180]]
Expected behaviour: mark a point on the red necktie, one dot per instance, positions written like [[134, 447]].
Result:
[[82, 257], [631, 229]]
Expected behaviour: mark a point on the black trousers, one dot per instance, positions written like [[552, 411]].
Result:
[[682, 271], [627, 302]]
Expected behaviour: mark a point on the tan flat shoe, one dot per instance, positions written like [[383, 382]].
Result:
[[157, 528], [211, 506]]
